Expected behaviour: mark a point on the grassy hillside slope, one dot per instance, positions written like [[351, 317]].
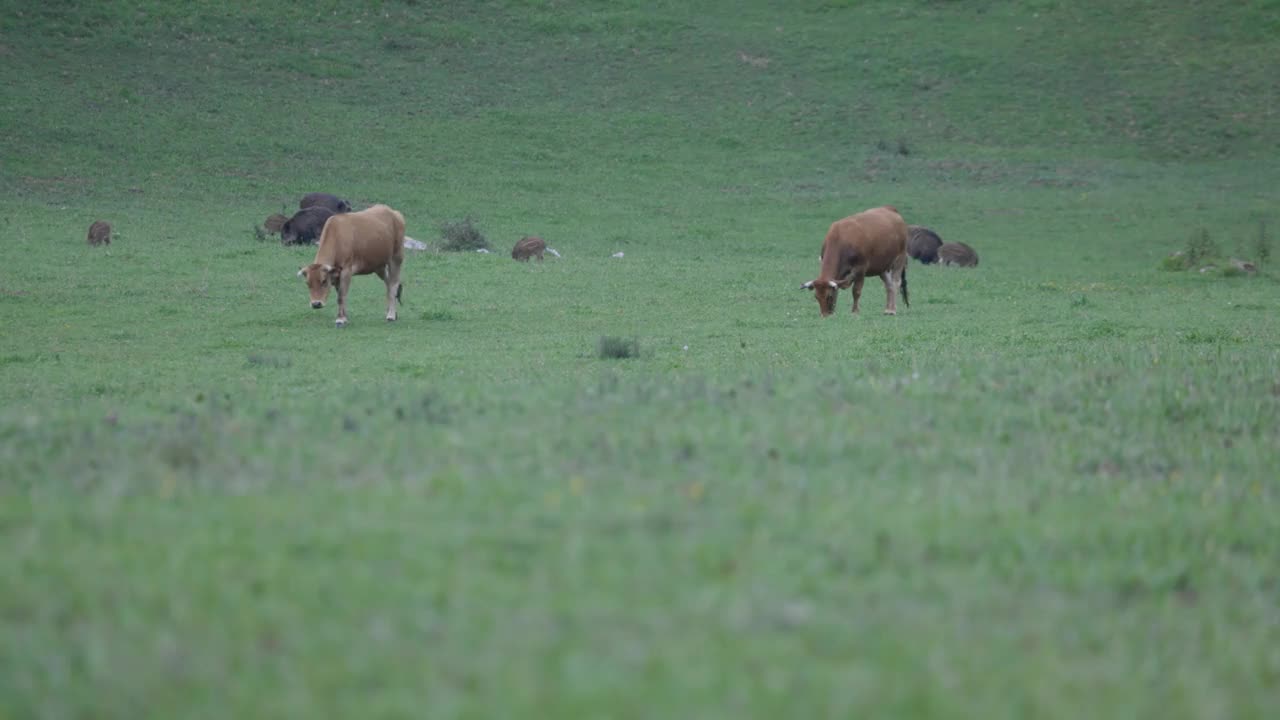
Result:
[[1047, 488]]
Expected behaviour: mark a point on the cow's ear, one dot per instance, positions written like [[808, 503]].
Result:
[[807, 286], [833, 284], [302, 271]]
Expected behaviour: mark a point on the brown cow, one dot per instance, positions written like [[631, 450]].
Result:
[[958, 253], [873, 242], [923, 244], [100, 233], [358, 243], [529, 247]]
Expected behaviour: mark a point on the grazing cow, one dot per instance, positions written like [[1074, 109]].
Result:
[[872, 242], [305, 226], [274, 223], [529, 247], [923, 244], [957, 253], [99, 233], [358, 243], [324, 200]]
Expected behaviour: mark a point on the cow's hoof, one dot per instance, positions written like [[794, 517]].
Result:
[[340, 323], [391, 318], [890, 312]]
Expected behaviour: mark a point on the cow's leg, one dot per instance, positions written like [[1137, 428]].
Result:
[[393, 287], [857, 290], [891, 292], [344, 284]]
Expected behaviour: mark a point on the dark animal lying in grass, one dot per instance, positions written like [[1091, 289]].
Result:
[[958, 253], [324, 200], [100, 233], [923, 244], [529, 247], [873, 242], [359, 243], [305, 226], [274, 223]]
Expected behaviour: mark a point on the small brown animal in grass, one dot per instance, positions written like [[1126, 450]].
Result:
[[923, 244], [529, 247], [959, 254], [273, 223], [100, 233], [873, 242]]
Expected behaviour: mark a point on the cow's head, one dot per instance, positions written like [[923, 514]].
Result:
[[320, 277], [825, 293]]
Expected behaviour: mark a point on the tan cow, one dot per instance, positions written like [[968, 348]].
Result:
[[358, 243], [873, 242]]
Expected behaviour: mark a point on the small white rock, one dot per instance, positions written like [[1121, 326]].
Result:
[[482, 250], [414, 244], [618, 254], [553, 252]]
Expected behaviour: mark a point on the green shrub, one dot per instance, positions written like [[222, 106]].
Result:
[[1201, 247], [461, 236], [615, 347], [1262, 244]]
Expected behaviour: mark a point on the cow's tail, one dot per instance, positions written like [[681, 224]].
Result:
[[905, 299]]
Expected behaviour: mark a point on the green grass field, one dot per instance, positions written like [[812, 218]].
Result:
[[1048, 489]]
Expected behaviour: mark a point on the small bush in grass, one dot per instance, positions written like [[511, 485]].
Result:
[[1262, 244], [611, 347], [1201, 247], [461, 236], [1175, 262]]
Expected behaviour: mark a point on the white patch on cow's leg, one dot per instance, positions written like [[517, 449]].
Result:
[[393, 289], [890, 291], [340, 322], [344, 285]]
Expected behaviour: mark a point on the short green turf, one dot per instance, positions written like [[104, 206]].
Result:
[[1046, 489]]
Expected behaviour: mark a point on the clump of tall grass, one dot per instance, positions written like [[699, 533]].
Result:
[[1262, 244], [613, 348], [1201, 250], [1204, 254], [461, 236]]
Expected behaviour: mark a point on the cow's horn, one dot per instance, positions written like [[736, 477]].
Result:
[[832, 283], [807, 286]]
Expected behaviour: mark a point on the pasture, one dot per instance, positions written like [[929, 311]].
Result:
[[1048, 488]]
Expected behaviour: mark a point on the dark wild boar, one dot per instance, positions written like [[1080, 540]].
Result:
[[324, 200], [305, 226]]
